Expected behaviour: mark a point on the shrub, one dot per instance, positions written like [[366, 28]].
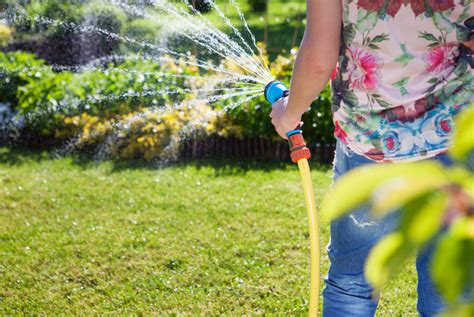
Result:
[[48, 97], [147, 133], [202, 6], [143, 29], [258, 5], [105, 16], [5, 34], [23, 19], [16, 70], [92, 103]]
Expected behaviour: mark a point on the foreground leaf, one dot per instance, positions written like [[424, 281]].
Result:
[[453, 261], [356, 187], [401, 190], [386, 256], [422, 218], [463, 142]]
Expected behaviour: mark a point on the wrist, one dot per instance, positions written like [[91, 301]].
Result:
[[292, 115]]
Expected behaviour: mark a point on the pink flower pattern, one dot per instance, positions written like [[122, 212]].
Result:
[[441, 57], [395, 93], [362, 69]]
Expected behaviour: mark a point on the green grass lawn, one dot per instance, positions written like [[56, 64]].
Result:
[[193, 238]]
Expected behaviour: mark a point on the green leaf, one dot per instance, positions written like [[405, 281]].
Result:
[[468, 186], [404, 58], [367, 23], [433, 44], [422, 217], [373, 46], [362, 14], [382, 102], [403, 47], [350, 98], [380, 38], [462, 33], [385, 257], [430, 89], [451, 87], [357, 186], [349, 33], [463, 142], [402, 82], [442, 23], [428, 36], [461, 67], [464, 15], [459, 310], [453, 260], [399, 191], [404, 91]]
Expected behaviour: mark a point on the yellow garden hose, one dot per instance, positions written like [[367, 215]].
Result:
[[305, 174]]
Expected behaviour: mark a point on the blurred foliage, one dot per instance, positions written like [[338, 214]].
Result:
[[47, 97], [22, 17], [202, 6], [92, 102], [105, 16], [436, 205], [148, 133], [258, 5], [6, 34], [74, 32], [16, 70], [143, 29]]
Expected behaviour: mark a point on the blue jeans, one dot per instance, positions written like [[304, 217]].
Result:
[[347, 292]]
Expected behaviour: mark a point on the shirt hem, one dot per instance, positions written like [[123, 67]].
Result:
[[412, 157]]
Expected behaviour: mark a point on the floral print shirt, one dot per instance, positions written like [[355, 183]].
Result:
[[403, 74]]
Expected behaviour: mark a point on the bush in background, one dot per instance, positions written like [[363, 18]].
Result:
[[143, 29], [202, 6], [63, 42], [258, 5], [138, 107], [16, 70], [6, 34]]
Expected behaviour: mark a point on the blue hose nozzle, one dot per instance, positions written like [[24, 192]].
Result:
[[275, 90]]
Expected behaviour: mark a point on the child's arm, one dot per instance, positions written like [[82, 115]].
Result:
[[316, 60]]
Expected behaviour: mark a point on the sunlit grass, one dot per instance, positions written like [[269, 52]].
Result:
[[206, 238]]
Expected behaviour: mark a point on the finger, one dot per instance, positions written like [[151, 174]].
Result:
[[282, 134]]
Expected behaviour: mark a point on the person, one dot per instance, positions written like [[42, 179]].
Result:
[[404, 71]]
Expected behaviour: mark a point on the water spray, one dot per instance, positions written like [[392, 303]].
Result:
[[300, 154]]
